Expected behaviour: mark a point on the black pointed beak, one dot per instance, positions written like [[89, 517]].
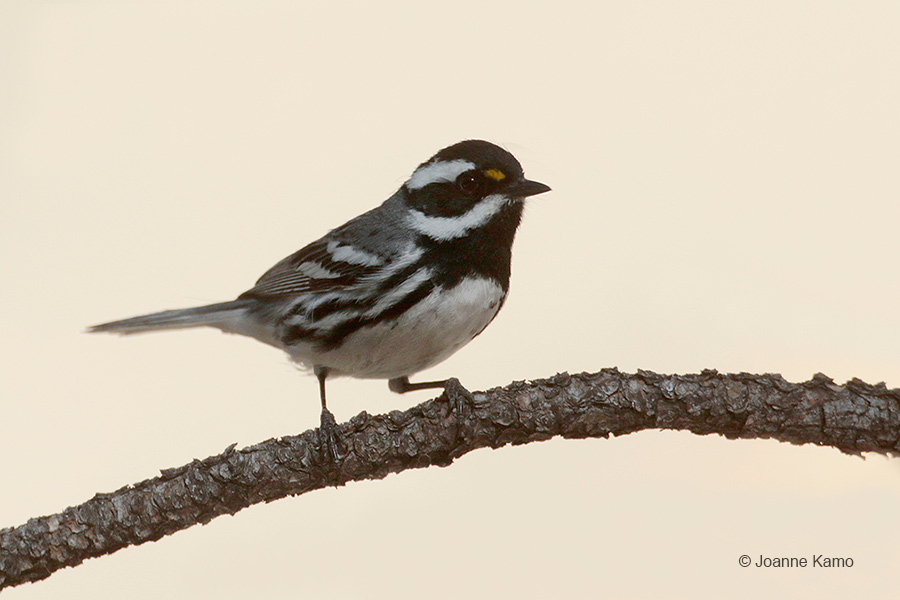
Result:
[[524, 188]]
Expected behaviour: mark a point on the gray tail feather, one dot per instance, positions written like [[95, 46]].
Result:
[[214, 315]]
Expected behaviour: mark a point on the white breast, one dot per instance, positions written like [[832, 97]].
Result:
[[426, 334]]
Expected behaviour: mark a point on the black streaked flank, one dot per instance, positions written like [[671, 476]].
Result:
[[334, 337]]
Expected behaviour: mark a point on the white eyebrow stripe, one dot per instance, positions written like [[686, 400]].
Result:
[[353, 256], [442, 170], [448, 228]]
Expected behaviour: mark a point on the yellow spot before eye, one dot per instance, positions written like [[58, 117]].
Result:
[[495, 174]]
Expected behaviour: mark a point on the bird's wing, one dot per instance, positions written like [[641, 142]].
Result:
[[324, 265]]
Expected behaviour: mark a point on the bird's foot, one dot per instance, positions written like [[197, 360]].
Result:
[[329, 441], [460, 398]]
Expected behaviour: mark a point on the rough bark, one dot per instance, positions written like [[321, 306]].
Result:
[[855, 417]]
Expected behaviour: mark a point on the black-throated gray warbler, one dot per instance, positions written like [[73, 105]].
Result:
[[394, 291]]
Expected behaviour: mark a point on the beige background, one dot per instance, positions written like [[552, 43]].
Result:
[[726, 191]]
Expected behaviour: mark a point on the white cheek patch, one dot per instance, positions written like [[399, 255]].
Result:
[[442, 170], [448, 228]]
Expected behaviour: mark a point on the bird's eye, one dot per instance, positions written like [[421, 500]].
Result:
[[468, 182]]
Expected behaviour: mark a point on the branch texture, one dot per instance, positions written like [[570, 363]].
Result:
[[855, 417]]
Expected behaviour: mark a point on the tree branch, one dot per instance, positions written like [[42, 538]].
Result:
[[855, 418]]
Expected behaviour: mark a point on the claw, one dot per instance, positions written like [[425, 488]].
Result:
[[461, 401], [459, 396], [328, 436]]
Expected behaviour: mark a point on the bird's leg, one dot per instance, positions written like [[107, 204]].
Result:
[[456, 393], [327, 426]]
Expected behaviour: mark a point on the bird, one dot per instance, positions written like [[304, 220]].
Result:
[[393, 291]]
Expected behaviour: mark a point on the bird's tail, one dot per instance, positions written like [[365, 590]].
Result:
[[224, 315]]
